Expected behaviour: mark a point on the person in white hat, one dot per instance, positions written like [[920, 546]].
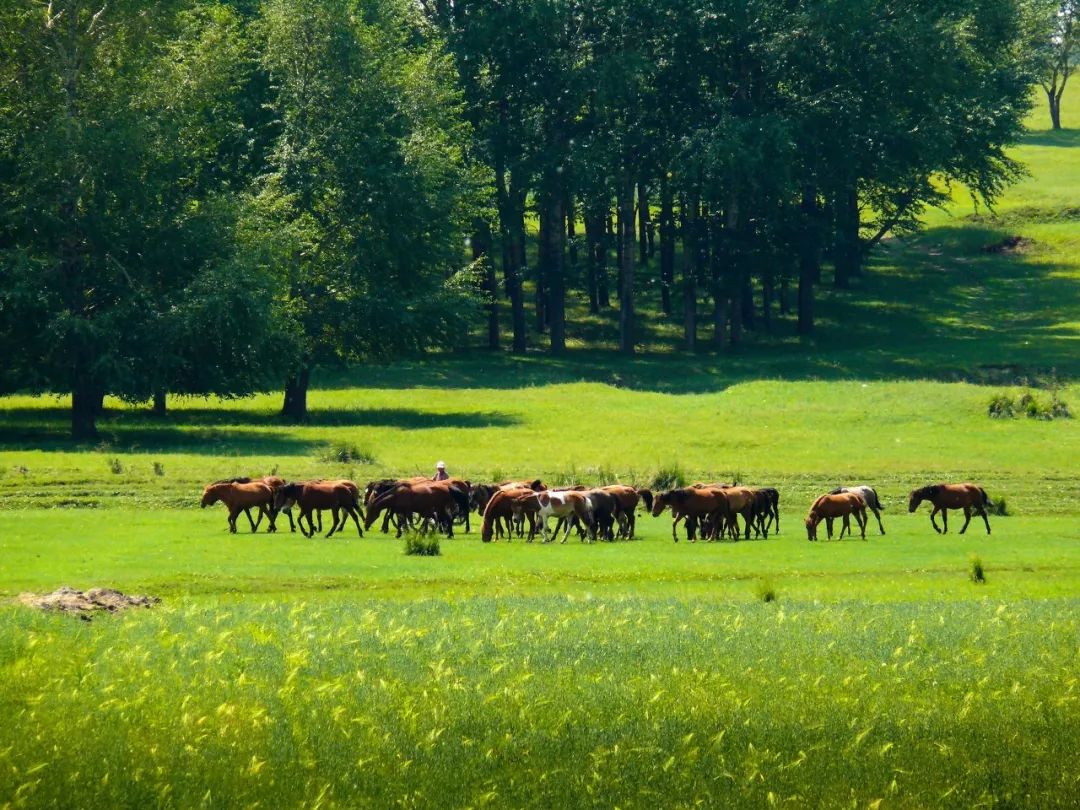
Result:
[[440, 472]]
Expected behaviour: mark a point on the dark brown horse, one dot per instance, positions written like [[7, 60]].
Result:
[[628, 499], [440, 501], [944, 497], [693, 505], [240, 497]]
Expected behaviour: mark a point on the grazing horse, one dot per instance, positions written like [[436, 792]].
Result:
[[566, 504], [240, 497], [869, 494], [691, 504], [952, 496], [501, 510], [830, 507], [316, 496]]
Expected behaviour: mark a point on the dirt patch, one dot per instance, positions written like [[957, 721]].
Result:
[[1010, 244], [69, 600]]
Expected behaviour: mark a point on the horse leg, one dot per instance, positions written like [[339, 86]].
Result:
[[877, 514], [270, 518], [234, 513], [986, 520], [860, 516], [967, 519], [674, 523], [934, 522], [247, 511], [334, 523], [292, 524], [845, 527], [748, 520], [356, 519], [944, 521]]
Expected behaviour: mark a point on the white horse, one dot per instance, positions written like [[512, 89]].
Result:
[[566, 505], [869, 494]]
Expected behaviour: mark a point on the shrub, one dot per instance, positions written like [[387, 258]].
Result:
[[419, 545], [1002, 406], [999, 506], [978, 575], [765, 591], [116, 466], [669, 477], [348, 454], [159, 469]]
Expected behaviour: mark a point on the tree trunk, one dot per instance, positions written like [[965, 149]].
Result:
[[160, 403], [785, 296], [691, 256], [294, 408], [603, 289], [616, 236], [541, 293], [643, 222], [86, 404], [667, 243], [571, 229], [1055, 108], [552, 265], [594, 243], [718, 269], [809, 261], [737, 269], [626, 270], [511, 267], [767, 294], [847, 251], [481, 250]]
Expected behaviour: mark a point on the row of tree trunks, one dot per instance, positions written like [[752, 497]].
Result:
[[667, 243], [626, 268]]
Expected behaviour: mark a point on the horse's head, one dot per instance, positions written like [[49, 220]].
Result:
[[537, 486], [660, 503], [211, 495], [285, 496], [812, 521], [646, 498], [918, 496]]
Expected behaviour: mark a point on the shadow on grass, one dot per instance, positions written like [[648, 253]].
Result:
[[1066, 138]]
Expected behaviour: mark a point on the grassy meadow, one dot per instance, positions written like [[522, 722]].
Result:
[[284, 672]]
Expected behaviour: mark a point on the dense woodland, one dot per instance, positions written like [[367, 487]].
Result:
[[212, 197]]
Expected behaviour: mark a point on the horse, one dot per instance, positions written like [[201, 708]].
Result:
[[430, 499], [240, 497], [565, 504], [869, 494], [952, 496], [691, 504], [275, 483], [773, 516], [315, 496], [828, 507], [501, 510], [628, 499]]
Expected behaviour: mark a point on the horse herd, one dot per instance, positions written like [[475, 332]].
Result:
[[524, 508]]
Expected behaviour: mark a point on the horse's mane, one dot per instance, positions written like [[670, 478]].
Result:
[[241, 480], [926, 492]]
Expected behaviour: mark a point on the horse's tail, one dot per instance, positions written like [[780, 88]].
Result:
[[461, 499], [985, 497], [877, 504], [646, 498]]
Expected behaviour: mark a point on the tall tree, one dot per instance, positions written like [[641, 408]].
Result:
[[1054, 37]]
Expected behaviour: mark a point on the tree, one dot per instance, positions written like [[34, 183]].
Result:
[[1054, 39], [368, 198]]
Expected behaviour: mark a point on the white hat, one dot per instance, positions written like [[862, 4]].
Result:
[[441, 465]]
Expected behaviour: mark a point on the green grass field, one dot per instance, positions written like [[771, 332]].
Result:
[[279, 671]]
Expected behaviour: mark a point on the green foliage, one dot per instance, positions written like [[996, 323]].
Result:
[[1004, 406], [999, 506], [668, 477], [977, 574], [422, 545], [348, 454], [765, 591]]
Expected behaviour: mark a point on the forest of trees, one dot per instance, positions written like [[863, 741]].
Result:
[[216, 196]]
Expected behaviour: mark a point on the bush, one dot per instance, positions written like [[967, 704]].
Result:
[[116, 466], [978, 575], [668, 477], [159, 469], [348, 454], [998, 506], [418, 545], [1002, 406], [765, 591]]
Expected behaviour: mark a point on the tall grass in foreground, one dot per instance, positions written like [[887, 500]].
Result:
[[543, 702]]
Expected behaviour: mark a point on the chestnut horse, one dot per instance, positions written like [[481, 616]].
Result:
[[438, 500], [829, 507], [869, 494], [240, 498], [952, 496], [315, 496], [503, 508], [628, 499], [691, 504]]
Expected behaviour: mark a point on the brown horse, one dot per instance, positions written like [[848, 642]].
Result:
[[944, 497], [239, 498], [315, 496], [628, 499], [503, 508], [438, 500], [691, 504], [829, 507]]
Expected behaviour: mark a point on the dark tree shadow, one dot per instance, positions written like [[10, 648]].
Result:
[[1066, 138]]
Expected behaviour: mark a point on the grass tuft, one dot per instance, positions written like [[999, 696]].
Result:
[[417, 545], [977, 573], [159, 469], [999, 506], [765, 591], [669, 477], [348, 454], [116, 466]]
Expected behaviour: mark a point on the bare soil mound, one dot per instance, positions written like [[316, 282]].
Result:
[[69, 600]]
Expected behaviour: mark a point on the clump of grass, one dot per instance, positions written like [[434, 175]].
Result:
[[668, 477], [116, 466], [765, 591], [418, 545], [1003, 406], [999, 506], [348, 454], [159, 469], [976, 571]]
